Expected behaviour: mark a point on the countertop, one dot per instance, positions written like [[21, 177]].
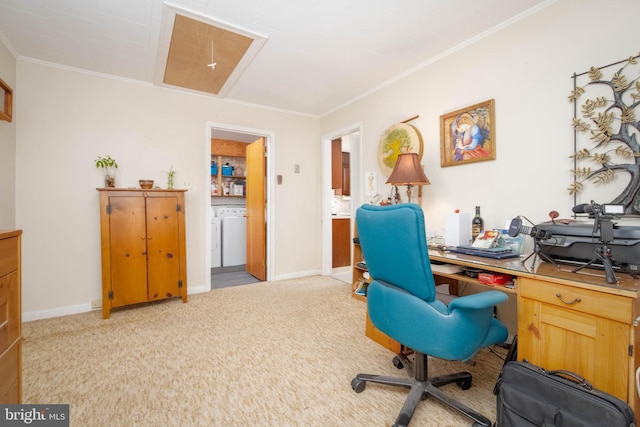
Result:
[[341, 216]]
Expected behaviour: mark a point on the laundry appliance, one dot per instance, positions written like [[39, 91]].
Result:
[[234, 234]]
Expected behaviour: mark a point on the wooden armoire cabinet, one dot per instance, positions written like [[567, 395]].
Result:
[[143, 246]]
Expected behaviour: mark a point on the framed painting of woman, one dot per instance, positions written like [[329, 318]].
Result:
[[468, 135]]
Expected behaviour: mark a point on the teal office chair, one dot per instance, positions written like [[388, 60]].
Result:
[[402, 303]]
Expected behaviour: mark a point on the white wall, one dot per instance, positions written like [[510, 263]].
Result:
[[64, 119], [526, 67], [68, 118], [7, 146]]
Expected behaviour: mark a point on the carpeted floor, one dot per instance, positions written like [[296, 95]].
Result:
[[265, 354]]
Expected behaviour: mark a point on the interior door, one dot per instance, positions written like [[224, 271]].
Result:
[[256, 207]]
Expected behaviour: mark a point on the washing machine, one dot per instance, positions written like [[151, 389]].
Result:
[[216, 242], [234, 235]]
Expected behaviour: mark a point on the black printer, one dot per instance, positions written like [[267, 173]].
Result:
[[575, 242]]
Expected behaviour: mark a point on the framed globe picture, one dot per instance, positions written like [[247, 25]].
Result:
[[397, 139]]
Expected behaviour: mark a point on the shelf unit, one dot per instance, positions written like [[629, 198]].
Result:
[[221, 179], [232, 152], [360, 274], [358, 270], [452, 280]]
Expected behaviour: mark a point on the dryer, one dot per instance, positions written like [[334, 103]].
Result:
[[234, 235]]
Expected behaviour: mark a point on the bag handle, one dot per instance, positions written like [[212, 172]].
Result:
[[572, 376]]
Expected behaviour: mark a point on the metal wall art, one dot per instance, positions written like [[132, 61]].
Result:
[[606, 132]]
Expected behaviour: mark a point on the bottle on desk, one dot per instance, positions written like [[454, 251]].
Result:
[[477, 225]]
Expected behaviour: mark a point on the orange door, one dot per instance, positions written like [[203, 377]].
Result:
[[256, 208]]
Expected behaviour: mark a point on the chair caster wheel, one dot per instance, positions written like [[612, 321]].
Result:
[[397, 362], [358, 385], [464, 384]]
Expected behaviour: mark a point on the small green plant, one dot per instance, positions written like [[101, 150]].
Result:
[[170, 175], [106, 162], [109, 165]]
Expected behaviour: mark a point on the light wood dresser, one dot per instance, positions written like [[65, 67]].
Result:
[[10, 317]]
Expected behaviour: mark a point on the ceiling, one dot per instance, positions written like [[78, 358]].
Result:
[[304, 56]]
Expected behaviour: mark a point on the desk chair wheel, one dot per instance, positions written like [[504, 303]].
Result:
[[358, 385], [397, 362], [464, 384]]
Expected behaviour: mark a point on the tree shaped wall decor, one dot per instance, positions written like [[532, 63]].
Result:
[[606, 131]]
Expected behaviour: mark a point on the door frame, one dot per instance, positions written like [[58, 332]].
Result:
[[269, 137], [355, 177]]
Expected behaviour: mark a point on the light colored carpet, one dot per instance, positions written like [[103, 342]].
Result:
[[265, 354]]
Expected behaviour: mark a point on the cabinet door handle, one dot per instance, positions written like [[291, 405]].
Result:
[[568, 302]]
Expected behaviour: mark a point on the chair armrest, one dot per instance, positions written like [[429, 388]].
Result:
[[479, 300]]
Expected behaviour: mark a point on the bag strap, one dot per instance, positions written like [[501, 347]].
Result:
[[572, 376]]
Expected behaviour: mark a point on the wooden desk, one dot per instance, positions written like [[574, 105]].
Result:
[[572, 321]]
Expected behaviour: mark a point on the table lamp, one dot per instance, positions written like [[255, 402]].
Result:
[[408, 171]]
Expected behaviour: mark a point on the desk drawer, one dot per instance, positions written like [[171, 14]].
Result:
[[10, 374], [10, 326], [601, 304], [8, 255]]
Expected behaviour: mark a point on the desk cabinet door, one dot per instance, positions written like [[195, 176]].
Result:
[[579, 330]]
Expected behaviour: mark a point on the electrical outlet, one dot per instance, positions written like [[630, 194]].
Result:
[[96, 304]]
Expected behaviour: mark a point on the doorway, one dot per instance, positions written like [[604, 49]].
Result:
[[237, 184], [346, 205]]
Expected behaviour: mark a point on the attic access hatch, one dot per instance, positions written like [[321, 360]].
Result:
[[185, 52]]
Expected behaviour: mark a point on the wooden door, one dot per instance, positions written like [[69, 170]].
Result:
[[128, 250], [163, 247], [336, 165], [256, 207]]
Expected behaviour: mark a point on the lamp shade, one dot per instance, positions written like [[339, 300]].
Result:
[[408, 171]]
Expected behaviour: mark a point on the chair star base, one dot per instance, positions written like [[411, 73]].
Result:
[[422, 387]]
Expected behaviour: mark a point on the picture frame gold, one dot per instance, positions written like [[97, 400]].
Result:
[[468, 135], [6, 101]]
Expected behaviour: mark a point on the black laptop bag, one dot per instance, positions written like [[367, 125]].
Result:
[[528, 395]]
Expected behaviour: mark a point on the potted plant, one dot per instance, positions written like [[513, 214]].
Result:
[[170, 175], [109, 165]]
